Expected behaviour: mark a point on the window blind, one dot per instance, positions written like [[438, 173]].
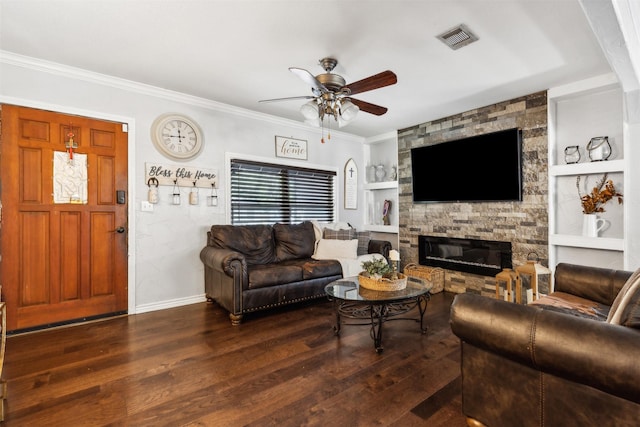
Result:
[[263, 193]]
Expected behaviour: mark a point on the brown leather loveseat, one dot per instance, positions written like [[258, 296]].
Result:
[[570, 359], [256, 267]]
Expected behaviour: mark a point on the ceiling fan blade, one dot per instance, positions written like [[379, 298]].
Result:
[[385, 78], [310, 79], [368, 107], [288, 99]]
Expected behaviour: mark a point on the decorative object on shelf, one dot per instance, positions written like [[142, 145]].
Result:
[[529, 276], [291, 148], [175, 196], [572, 154], [380, 173], [600, 194], [592, 225], [506, 279], [378, 275], [193, 195], [393, 176], [599, 148], [371, 173], [153, 196], [350, 185], [212, 199], [385, 212], [177, 136]]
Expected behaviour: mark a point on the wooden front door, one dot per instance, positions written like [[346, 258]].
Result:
[[63, 259]]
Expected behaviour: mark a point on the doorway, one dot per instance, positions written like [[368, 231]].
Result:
[[63, 235]]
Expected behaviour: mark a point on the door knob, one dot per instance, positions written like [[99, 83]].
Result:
[[120, 230]]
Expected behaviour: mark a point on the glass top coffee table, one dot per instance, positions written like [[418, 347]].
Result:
[[355, 302]]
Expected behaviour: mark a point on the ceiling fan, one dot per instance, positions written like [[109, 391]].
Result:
[[332, 97]]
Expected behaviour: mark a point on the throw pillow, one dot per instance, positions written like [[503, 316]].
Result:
[[336, 249], [626, 296], [630, 315], [363, 242], [343, 234]]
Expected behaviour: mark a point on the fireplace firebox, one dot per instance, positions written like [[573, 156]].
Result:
[[482, 257]]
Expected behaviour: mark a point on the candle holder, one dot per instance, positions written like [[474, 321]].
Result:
[[599, 148], [572, 154]]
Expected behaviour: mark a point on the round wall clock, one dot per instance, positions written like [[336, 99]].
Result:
[[176, 136]]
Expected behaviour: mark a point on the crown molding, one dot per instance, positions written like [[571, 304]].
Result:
[[49, 67]]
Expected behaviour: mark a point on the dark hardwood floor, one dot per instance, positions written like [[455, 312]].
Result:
[[188, 366]]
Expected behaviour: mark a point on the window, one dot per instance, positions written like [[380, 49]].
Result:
[[263, 193]]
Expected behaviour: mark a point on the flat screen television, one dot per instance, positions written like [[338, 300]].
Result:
[[483, 168]]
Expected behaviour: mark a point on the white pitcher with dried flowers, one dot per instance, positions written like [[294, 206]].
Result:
[[594, 202]]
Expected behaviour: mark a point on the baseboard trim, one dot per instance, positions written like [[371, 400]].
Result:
[[163, 305]]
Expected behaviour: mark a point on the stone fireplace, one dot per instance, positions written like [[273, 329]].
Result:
[[523, 224]]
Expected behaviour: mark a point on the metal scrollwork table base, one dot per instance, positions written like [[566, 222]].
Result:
[[354, 302]]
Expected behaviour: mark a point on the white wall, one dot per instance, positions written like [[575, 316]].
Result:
[[164, 265]]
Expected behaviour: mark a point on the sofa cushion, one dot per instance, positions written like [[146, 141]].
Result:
[[255, 242], [336, 249], [312, 269], [625, 309], [261, 276], [294, 241], [574, 305]]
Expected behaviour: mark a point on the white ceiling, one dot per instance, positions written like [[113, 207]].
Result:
[[238, 51]]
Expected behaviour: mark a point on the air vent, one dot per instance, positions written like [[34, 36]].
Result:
[[457, 37]]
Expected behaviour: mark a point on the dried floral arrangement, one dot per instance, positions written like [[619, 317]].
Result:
[[600, 194]]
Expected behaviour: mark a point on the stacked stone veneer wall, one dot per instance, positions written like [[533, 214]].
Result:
[[524, 224]]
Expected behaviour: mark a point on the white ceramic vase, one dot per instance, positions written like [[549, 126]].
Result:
[[592, 225]]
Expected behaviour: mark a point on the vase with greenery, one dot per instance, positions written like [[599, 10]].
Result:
[[594, 202], [377, 268]]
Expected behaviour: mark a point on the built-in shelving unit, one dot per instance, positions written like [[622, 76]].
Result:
[[381, 151], [578, 112]]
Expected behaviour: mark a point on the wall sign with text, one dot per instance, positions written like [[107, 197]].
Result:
[[291, 148], [183, 176]]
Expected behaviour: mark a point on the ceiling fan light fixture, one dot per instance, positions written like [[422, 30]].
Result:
[[310, 110], [348, 111]]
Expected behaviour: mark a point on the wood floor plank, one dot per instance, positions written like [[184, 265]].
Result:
[[188, 366]]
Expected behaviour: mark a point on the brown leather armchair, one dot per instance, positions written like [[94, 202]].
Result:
[[531, 365]]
